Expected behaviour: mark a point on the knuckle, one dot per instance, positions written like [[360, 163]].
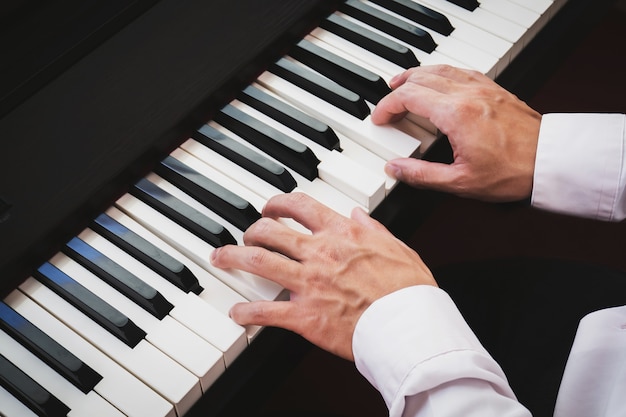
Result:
[[443, 69], [258, 229], [258, 258], [474, 75], [299, 198]]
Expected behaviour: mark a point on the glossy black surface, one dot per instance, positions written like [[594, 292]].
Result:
[[246, 158], [160, 261], [186, 216], [119, 278], [29, 392], [47, 349], [371, 41], [420, 14], [90, 304], [212, 195], [389, 24], [321, 87], [466, 4], [290, 152], [367, 84], [290, 116]]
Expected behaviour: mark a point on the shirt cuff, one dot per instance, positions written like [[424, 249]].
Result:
[[400, 336], [579, 166]]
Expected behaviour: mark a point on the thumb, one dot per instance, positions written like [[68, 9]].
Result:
[[423, 174]]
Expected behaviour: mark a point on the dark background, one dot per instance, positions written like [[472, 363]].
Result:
[[589, 77]]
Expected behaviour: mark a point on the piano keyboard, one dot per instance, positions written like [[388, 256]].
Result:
[[130, 318]]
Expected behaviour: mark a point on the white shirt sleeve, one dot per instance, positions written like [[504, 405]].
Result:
[[594, 381], [579, 169], [414, 346]]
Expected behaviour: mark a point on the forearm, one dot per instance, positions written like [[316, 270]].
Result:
[[416, 349]]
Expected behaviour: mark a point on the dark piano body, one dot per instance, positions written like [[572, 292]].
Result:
[[94, 93]]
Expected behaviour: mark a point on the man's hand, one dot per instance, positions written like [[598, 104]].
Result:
[[333, 274], [492, 133]]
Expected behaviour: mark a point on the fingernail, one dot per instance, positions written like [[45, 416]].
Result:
[[395, 78], [214, 254], [393, 170]]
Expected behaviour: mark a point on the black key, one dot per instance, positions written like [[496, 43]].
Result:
[[290, 152], [47, 349], [321, 87], [367, 84], [29, 392], [156, 259], [291, 117], [393, 26], [118, 277], [246, 158], [466, 4], [179, 212], [90, 304], [420, 14], [371, 41], [212, 195]]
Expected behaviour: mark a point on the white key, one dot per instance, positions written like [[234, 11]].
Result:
[[509, 10], [317, 188], [167, 335], [215, 175], [522, 16], [366, 158], [118, 386], [248, 285], [423, 57], [457, 49], [80, 404], [385, 69], [488, 42], [189, 310], [236, 233], [541, 7], [483, 19], [369, 60], [184, 157], [353, 150], [12, 407], [177, 385], [463, 32], [475, 36], [208, 171], [215, 293], [227, 167], [388, 141], [360, 183], [204, 165]]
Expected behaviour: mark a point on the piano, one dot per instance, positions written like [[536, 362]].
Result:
[[139, 134]]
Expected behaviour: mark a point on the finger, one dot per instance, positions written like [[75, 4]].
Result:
[[272, 235], [431, 76], [408, 98], [360, 216], [303, 209], [399, 79], [258, 261], [264, 313], [424, 174]]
